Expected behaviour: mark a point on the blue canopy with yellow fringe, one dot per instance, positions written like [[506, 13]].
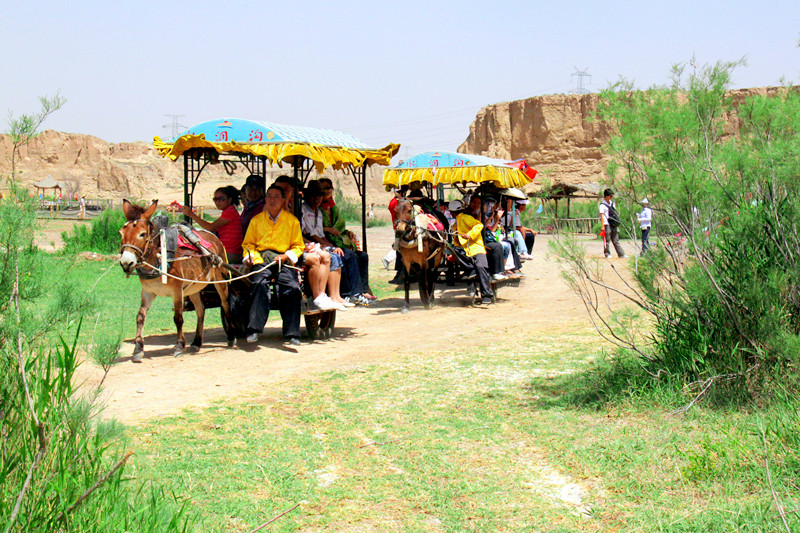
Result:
[[449, 168], [279, 143]]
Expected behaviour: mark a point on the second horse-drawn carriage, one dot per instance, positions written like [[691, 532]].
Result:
[[425, 239]]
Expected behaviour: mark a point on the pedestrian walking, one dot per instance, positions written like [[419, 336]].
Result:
[[610, 222]]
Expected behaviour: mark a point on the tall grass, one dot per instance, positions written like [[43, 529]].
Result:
[[60, 468], [350, 209], [101, 236]]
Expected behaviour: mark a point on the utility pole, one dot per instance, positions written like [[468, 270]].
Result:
[[175, 126], [580, 74]]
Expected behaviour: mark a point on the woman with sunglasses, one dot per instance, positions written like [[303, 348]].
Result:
[[228, 227]]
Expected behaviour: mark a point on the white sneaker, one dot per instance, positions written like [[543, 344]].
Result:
[[253, 337], [324, 303], [360, 300], [347, 303], [499, 277], [339, 306]]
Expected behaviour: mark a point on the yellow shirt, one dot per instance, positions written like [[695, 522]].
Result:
[[283, 235], [472, 227]]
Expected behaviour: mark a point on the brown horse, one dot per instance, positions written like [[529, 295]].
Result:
[[141, 246], [418, 246]]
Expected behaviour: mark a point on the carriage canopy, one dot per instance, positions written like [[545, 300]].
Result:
[[279, 143], [440, 168]]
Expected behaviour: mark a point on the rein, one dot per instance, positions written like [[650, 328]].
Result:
[[410, 237], [242, 276]]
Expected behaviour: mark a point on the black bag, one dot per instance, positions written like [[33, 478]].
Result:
[[613, 216]]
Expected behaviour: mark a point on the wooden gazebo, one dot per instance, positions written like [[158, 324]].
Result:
[[48, 183], [570, 191]]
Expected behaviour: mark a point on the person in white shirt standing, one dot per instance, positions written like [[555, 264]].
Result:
[[645, 222], [610, 221]]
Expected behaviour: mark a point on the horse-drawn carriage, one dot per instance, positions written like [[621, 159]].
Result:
[[424, 237], [250, 145]]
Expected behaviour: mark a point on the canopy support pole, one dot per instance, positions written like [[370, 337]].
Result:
[[360, 175]]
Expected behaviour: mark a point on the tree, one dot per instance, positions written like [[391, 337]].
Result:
[[24, 128], [721, 292]]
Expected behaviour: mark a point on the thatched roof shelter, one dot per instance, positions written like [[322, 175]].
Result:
[[572, 191], [48, 183]]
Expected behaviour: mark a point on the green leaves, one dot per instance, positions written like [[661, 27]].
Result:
[[721, 172]]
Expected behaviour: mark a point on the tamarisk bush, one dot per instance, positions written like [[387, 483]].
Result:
[[720, 291]]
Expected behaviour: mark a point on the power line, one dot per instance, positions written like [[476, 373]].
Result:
[[175, 126], [580, 74]]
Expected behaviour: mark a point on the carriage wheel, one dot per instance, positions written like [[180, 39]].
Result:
[[327, 321], [312, 326]]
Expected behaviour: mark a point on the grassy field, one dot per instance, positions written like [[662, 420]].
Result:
[[543, 434], [500, 438]]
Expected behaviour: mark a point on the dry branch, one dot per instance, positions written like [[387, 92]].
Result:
[[271, 520]]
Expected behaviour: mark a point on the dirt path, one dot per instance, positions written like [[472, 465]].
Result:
[[163, 385]]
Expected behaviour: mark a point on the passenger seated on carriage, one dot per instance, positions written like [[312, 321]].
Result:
[[314, 235], [274, 235], [447, 210], [438, 221], [527, 233], [289, 185], [316, 261], [494, 250], [511, 263], [510, 222], [355, 279], [469, 236], [228, 227], [253, 194]]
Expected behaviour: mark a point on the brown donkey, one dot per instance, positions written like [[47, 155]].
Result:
[[140, 252], [419, 246]]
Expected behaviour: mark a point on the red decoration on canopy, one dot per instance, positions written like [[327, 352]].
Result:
[[524, 167]]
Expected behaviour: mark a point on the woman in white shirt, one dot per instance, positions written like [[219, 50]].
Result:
[[645, 222]]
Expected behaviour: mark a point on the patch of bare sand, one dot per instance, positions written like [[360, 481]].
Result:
[[164, 385]]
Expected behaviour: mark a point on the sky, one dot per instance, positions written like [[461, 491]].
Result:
[[413, 72]]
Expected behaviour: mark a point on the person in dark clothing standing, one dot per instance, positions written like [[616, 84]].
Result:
[[610, 222]]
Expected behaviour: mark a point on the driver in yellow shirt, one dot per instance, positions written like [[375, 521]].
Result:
[[274, 235], [469, 236]]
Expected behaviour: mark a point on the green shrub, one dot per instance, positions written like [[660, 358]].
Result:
[[101, 236], [60, 466], [722, 288], [348, 208]]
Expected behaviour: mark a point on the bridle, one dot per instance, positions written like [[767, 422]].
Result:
[[139, 253], [413, 233]]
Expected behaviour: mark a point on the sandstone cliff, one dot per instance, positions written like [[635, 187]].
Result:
[[556, 134], [90, 166]]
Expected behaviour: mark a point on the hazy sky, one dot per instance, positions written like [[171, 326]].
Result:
[[410, 72]]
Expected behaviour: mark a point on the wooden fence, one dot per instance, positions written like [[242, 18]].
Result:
[[70, 209], [566, 225]]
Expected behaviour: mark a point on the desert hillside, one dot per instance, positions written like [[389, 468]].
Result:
[[90, 166], [557, 134], [554, 132]]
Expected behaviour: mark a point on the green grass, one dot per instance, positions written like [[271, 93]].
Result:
[[114, 299], [546, 435], [487, 440]]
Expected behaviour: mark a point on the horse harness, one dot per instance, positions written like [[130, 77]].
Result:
[[415, 233], [170, 234]]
